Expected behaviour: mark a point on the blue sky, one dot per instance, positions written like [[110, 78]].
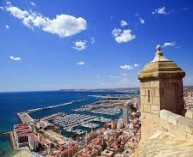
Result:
[[90, 44]]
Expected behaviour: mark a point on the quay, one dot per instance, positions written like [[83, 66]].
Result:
[[52, 116], [5, 132], [25, 117], [12, 140], [53, 106]]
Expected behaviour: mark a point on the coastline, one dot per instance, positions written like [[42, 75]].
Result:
[[20, 102]]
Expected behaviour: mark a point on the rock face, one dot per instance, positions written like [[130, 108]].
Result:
[[161, 87]]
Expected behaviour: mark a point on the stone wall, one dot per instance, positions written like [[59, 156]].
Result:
[[166, 135], [175, 124], [171, 95], [159, 89], [178, 125], [157, 95], [152, 106]]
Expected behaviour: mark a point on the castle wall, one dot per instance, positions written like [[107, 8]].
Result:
[[171, 95], [150, 107], [172, 136], [177, 125], [155, 96]]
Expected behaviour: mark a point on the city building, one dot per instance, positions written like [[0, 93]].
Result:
[[126, 113], [107, 153], [33, 142], [70, 150], [120, 123], [21, 132], [25, 137]]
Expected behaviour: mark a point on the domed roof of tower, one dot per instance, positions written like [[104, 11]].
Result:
[[161, 67]]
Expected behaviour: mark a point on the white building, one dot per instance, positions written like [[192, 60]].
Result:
[[33, 142]]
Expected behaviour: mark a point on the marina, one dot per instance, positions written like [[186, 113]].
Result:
[[70, 122], [73, 120], [43, 117], [107, 111], [90, 125], [77, 131]]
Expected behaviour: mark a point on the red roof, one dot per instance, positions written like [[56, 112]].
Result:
[[33, 137]]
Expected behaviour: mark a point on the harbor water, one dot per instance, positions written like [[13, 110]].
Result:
[[11, 103]]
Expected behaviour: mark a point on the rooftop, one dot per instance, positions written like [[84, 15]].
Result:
[[160, 67]]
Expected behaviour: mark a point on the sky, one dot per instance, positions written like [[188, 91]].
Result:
[[73, 44]]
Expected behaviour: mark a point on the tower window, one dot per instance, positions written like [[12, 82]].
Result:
[[148, 92]]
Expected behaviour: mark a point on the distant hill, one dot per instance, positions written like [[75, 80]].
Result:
[[104, 90]]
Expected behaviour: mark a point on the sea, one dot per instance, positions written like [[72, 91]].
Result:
[[13, 102]]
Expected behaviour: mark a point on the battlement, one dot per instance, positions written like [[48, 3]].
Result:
[[172, 136], [176, 124]]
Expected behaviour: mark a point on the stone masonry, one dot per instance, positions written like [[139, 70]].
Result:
[[161, 87]]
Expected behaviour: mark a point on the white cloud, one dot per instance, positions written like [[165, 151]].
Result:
[[126, 67], [123, 23], [135, 65], [166, 44], [80, 63], [33, 4], [7, 26], [92, 40], [161, 11], [129, 67], [63, 25], [80, 45], [142, 21], [123, 35], [15, 58], [1, 8]]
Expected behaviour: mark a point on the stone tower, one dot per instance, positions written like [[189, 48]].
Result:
[[161, 87]]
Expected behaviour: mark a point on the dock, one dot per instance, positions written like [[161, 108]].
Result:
[[5, 133], [53, 106], [52, 116], [25, 117], [12, 140], [70, 122]]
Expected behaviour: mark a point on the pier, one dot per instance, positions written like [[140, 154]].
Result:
[[52, 116], [53, 106], [25, 117], [5, 132], [12, 140]]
